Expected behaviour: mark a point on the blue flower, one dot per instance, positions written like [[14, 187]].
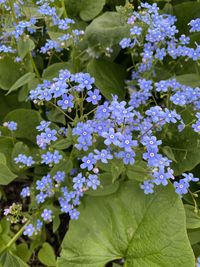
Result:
[[88, 162], [111, 137], [47, 215], [66, 102], [147, 186], [126, 42], [74, 214], [25, 192], [181, 187], [93, 181], [40, 198], [11, 125], [29, 230], [59, 176], [103, 155], [78, 181], [93, 96]]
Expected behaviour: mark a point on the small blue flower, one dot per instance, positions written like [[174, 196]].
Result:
[[94, 96], [93, 181], [181, 187], [78, 181], [66, 102], [147, 186], [88, 162], [29, 230], [25, 192], [47, 215]]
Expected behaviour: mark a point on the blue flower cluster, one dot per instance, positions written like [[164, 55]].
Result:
[[157, 38], [21, 28], [126, 131], [24, 160]]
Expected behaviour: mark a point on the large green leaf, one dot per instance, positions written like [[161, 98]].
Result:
[[9, 73], [7, 259], [6, 176], [189, 79], [144, 230], [10, 102], [26, 78], [27, 121], [107, 30], [90, 8], [184, 13], [184, 146], [109, 77]]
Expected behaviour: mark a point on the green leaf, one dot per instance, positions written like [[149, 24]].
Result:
[[106, 187], [184, 146], [109, 77], [6, 176], [90, 8], [53, 70], [10, 102], [56, 223], [56, 116], [185, 12], [23, 252], [27, 121], [46, 255], [189, 79], [2, 158], [26, 78], [107, 30], [169, 153], [7, 259], [24, 46], [144, 230], [6, 146], [192, 217], [9, 73], [139, 171], [62, 144], [65, 165]]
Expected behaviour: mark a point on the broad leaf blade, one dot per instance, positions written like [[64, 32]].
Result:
[[147, 231]]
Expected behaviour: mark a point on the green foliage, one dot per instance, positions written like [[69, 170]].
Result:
[[107, 30], [129, 224], [109, 77], [46, 255], [9, 73], [27, 120]]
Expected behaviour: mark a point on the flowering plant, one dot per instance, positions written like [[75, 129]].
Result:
[[102, 130]]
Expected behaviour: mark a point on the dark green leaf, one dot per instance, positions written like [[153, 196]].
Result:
[[107, 30], [109, 77], [62, 144], [9, 73], [24, 46], [27, 121], [26, 78], [192, 217]]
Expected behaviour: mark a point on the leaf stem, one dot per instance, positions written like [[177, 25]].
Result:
[[16, 236]]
